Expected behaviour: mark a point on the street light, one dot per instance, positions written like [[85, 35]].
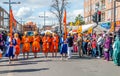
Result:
[[44, 19]]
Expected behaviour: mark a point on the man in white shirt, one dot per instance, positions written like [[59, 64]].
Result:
[[99, 43]]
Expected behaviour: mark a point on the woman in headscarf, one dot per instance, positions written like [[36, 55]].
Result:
[[116, 51], [106, 48]]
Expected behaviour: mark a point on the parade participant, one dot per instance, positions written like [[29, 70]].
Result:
[[1, 43], [111, 44], [116, 51], [70, 45], [51, 44], [10, 48], [99, 44], [0, 54], [89, 48], [64, 49], [84, 45], [54, 42], [106, 48], [94, 46], [26, 45], [46, 44], [17, 47], [1, 46], [75, 48], [79, 44], [36, 44], [94, 35]]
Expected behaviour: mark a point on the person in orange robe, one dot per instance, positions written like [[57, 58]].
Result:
[[0, 54], [26, 45], [51, 46], [55, 41], [36, 44], [46, 44], [17, 46]]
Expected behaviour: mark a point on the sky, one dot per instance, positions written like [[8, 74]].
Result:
[[30, 10]]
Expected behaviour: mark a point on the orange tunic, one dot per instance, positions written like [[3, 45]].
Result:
[[17, 47], [46, 44], [51, 45], [0, 55], [36, 44], [55, 41], [31, 39], [26, 44]]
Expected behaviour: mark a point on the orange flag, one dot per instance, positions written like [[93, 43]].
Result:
[[65, 23], [12, 22], [12, 18]]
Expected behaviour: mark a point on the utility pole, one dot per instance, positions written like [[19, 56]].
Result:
[[44, 19], [10, 8], [114, 15]]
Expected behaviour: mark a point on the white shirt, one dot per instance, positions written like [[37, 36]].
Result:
[[99, 41]]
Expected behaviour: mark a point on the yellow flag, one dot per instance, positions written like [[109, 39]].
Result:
[[112, 27], [89, 30], [71, 23], [80, 29], [77, 23]]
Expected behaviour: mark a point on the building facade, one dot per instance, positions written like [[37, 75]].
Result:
[[4, 18], [105, 6], [4, 21], [30, 26]]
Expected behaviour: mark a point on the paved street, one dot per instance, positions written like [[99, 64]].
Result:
[[85, 66]]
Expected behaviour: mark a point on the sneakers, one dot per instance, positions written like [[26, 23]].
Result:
[[98, 57]]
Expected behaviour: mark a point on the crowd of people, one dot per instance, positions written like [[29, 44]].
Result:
[[103, 45]]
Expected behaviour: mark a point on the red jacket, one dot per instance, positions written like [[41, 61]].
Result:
[[94, 44]]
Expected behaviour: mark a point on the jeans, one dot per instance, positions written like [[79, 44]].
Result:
[[99, 50], [94, 52], [111, 51], [84, 47]]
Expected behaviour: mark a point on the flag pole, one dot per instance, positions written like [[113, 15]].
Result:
[[65, 23]]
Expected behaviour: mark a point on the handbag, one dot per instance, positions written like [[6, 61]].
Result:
[[106, 50]]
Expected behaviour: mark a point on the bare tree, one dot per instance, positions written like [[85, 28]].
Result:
[[57, 8]]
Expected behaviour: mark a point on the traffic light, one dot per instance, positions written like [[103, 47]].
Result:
[[99, 16], [94, 18]]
